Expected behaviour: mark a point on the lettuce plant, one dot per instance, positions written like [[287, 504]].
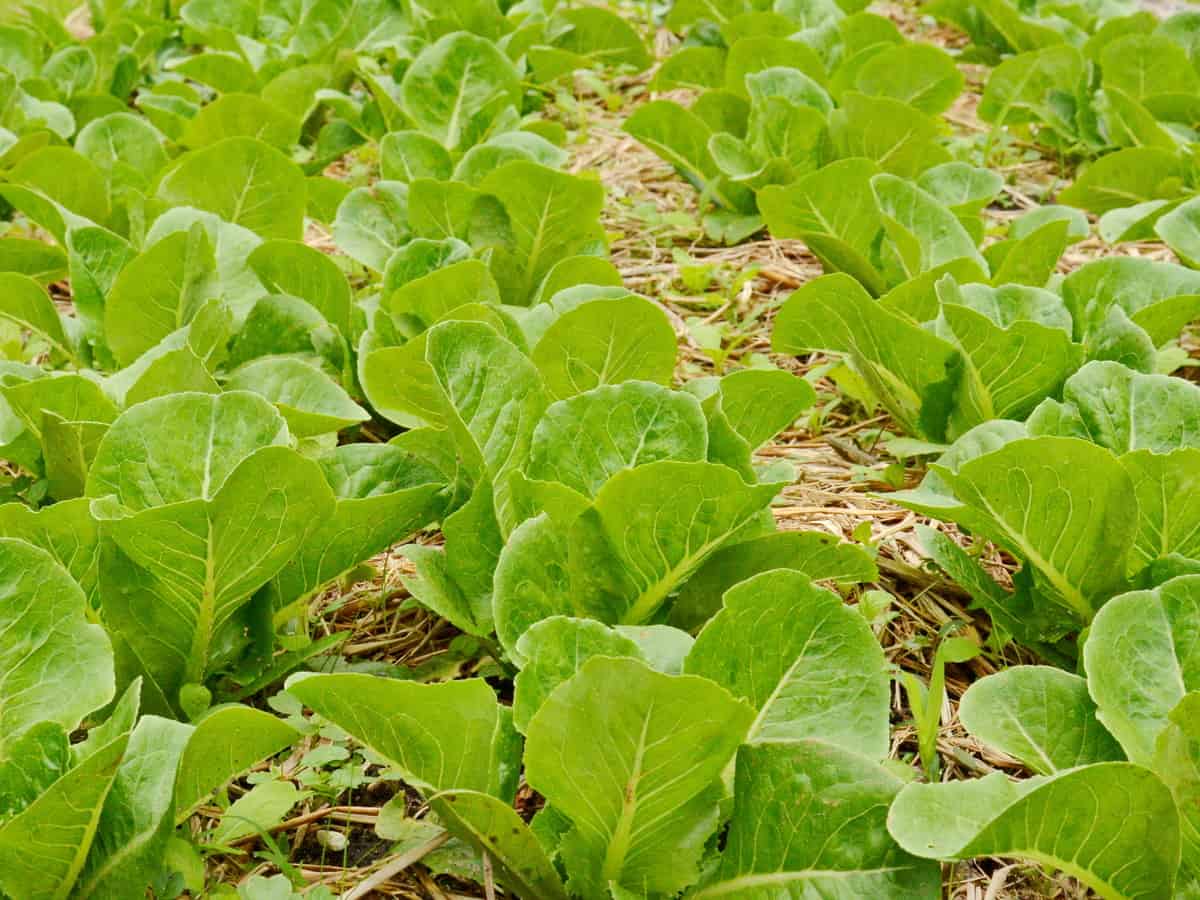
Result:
[[569, 442], [663, 725], [944, 352], [186, 539], [767, 115], [1092, 494], [1076, 734], [81, 819]]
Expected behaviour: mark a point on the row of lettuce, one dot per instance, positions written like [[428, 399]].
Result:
[[780, 90], [187, 433], [197, 468], [1064, 439]]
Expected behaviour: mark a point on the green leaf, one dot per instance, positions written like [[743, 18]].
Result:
[[493, 399], [921, 75], [960, 187], [408, 155], [552, 216], [257, 811], [244, 116], [902, 140], [1133, 223], [651, 527], [1128, 123], [1177, 762], [244, 181], [65, 530], [590, 37], [554, 650], [532, 581], [42, 262], [44, 848], [1123, 410], [1026, 224], [181, 448], [62, 396], [67, 179], [507, 146], [124, 146], [457, 87], [1141, 658], [662, 646], [58, 667], [1180, 229], [1111, 825], [584, 441], [136, 819], [289, 267], [1023, 87], [1168, 511], [1145, 64], [95, 257], [606, 341], [1072, 507], [755, 53], [372, 222], [494, 828], [227, 741], [441, 736], [1016, 364], [444, 293], [399, 382], [25, 304], [821, 209], [182, 361], [1125, 178], [686, 13], [814, 669], [310, 401], [1159, 297], [817, 555], [217, 526], [691, 67], [811, 818], [912, 372], [924, 234], [655, 745], [419, 259], [159, 292], [223, 72], [384, 494], [232, 244], [747, 408], [1040, 715], [1031, 260], [680, 137], [1016, 613]]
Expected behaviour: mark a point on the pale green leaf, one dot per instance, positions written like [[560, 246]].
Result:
[[584, 441], [1111, 825], [243, 181], [606, 342], [813, 670], [1142, 656], [810, 819], [58, 667], [494, 828], [654, 744], [441, 736], [1040, 715], [226, 742]]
